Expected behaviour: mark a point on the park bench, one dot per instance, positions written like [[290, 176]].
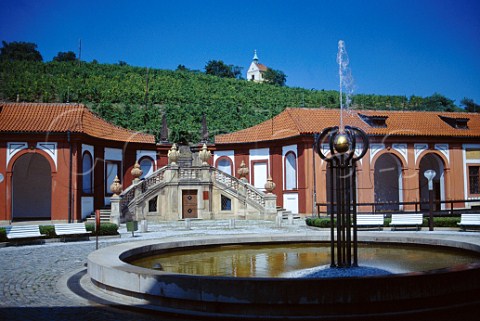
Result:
[[469, 221], [370, 220], [71, 229], [18, 232], [407, 220]]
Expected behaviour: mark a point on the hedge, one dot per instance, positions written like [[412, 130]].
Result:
[[447, 221], [49, 230], [105, 228]]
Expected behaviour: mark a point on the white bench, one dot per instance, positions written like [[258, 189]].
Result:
[[469, 221], [407, 220], [370, 220], [23, 232], [71, 229]]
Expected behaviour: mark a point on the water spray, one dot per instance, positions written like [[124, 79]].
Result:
[[345, 80]]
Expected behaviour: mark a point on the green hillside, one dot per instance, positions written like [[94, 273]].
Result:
[[136, 98]]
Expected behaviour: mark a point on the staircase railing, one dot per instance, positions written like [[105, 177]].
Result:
[[128, 195], [252, 194]]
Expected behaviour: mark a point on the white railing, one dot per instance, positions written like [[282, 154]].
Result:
[[153, 179], [186, 173], [128, 195], [232, 183]]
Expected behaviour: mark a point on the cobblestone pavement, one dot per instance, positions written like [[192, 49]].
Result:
[[33, 277]]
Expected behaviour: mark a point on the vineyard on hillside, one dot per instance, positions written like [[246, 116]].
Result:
[[136, 98]]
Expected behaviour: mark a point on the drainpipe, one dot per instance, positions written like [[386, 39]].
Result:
[[70, 180], [314, 191]]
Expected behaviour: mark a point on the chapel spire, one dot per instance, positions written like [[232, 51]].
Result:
[[255, 57]]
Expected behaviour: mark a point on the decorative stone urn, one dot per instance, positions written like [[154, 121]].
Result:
[[243, 171], [204, 155], [116, 187], [173, 155], [136, 171], [269, 185]]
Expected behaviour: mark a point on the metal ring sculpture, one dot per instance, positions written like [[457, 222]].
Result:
[[341, 165]]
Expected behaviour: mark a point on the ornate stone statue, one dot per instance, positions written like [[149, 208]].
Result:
[[204, 155], [136, 171], [269, 185], [204, 130], [164, 130], [116, 187], [173, 155], [243, 171]]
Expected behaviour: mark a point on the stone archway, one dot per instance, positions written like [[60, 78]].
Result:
[[388, 185], [431, 161], [31, 188]]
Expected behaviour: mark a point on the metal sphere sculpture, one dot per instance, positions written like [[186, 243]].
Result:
[[341, 166]]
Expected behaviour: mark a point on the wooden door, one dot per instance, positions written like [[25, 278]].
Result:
[[189, 203]]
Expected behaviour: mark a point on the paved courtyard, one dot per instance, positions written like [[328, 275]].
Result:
[[34, 278], [38, 282]]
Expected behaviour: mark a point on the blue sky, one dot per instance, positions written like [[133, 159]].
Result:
[[405, 47]]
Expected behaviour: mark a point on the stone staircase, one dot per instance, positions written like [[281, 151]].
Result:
[[284, 213], [104, 216], [257, 203]]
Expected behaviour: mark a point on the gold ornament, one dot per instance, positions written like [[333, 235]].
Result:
[[341, 143]]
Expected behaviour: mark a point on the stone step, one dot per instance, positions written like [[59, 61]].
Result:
[[285, 214], [104, 216]]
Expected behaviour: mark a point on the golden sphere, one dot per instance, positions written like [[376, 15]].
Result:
[[341, 143]]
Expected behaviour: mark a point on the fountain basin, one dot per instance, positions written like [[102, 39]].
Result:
[[452, 291]]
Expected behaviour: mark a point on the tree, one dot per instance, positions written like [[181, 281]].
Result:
[[19, 51], [237, 71], [220, 69], [65, 56], [275, 77], [182, 68], [438, 102], [470, 105]]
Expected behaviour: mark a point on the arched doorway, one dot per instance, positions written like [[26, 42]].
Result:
[[388, 187], [31, 188], [432, 161]]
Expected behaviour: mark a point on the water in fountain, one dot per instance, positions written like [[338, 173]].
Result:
[[346, 80]]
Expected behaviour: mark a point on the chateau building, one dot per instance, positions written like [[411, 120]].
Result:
[[256, 70], [57, 161], [403, 145]]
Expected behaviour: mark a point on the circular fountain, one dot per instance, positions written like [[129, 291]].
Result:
[[448, 291]]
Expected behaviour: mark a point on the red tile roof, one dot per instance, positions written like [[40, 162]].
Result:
[[297, 121], [76, 118], [261, 67]]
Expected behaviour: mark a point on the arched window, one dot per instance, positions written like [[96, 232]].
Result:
[[147, 166], [87, 172], [290, 171], [225, 165]]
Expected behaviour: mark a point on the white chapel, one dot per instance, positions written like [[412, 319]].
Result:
[[256, 70]]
